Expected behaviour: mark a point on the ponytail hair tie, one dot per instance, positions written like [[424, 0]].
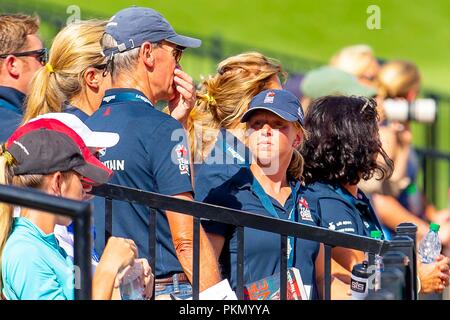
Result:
[[210, 99], [7, 155], [49, 67]]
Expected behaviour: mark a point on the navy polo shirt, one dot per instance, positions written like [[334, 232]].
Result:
[[11, 103], [261, 248], [76, 112], [227, 157], [147, 157], [338, 210]]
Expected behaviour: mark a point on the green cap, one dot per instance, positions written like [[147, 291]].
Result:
[[327, 81], [434, 227], [376, 234]]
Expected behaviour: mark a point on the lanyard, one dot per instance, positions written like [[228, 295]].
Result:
[[125, 97], [268, 205], [233, 152]]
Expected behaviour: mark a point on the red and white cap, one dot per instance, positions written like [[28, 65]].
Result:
[[45, 146], [92, 139]]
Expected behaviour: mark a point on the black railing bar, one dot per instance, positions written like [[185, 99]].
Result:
[[432, 153], [34, 199], [240, 263], [196, 260], [283, 267], [327, 268], [152, 243], [82, 255], [239, 218], [108, 219]]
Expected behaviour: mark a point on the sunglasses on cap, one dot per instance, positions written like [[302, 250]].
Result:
[[41, 55]]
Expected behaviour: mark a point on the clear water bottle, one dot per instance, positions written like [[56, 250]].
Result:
[[379, 266], [132, 287], [430, 246]]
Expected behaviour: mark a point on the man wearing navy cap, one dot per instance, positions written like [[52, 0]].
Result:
[[143, 53]]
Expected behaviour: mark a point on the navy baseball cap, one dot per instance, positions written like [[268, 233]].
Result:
[[133, 26], [281, 102]]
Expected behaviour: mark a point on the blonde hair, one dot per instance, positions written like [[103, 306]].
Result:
[[7, 177], [397, 78], [14, 29], [295, 169], [75, 48], [224, 98], [353, 59]]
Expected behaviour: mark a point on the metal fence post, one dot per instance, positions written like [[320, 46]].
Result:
[[405, 245], [410, 230]]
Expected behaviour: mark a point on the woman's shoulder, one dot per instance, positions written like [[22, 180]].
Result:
[[228, 193]]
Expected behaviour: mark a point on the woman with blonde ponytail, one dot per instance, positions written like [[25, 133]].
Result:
[[74, 79], [47, 155], [217, 138]]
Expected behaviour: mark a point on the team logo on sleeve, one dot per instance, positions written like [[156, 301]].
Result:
[[182, 159], [303, 209]]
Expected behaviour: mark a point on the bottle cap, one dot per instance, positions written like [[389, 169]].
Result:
[[376, 234], [434, 227]]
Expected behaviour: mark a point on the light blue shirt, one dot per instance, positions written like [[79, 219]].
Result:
[[34, 266]]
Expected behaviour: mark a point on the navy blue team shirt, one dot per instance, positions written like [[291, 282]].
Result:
[[151, 155], [11, 112], [83, 116], [262, 249], [226, 158], [338, 210]]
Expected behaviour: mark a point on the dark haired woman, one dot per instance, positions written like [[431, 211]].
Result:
[[343, 148]]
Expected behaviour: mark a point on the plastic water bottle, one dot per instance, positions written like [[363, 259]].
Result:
[[430, 246], [379, 266], [131, 287]]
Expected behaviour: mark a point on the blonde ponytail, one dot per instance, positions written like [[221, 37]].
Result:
[[5, 212], [45, 95], [295, 169]]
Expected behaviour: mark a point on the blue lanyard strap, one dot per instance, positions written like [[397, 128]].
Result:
[[230, 150], [233, 153], [268, 205], [125, 97]]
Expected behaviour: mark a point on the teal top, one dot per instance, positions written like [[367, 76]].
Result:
[[34, 266]]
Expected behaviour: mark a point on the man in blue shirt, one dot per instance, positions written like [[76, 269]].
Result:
[[152, 154], [21, 55]]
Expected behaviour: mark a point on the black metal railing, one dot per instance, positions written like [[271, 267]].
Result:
[[81, 214], [428, 161], [242, 220]]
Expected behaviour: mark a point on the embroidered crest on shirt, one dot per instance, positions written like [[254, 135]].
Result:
[[102, 152], [183, 162], [303, 209]]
